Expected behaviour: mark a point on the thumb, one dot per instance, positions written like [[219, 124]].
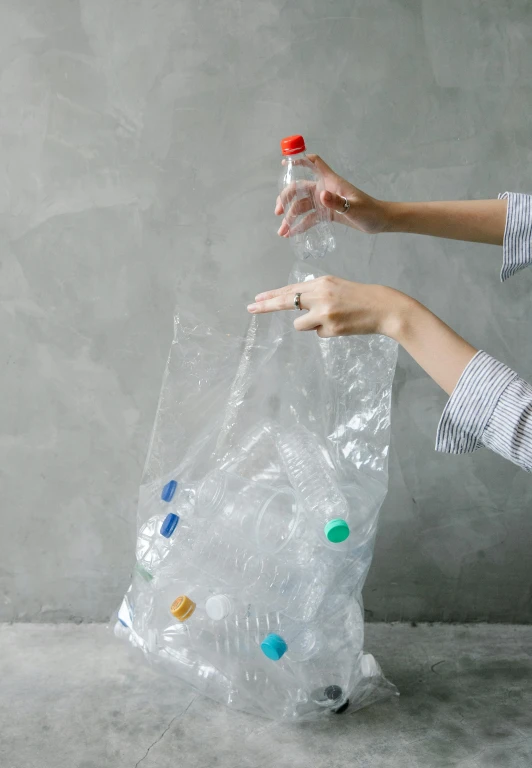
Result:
[[332, 201]]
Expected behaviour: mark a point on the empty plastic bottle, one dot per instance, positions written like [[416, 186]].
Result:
[[307, 652], [239, 634], [151, 547], [266, 517], [314, 481], [269, 582], [209, 629], [243, 622], [317, 657], [184, 643], [298, 642], [251, 634], [156, 537], [191, 642], [226, 608], [300, 187]]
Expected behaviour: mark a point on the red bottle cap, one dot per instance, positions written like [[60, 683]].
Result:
[[292, 145]]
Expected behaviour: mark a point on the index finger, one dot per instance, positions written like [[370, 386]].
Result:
[[279, 292]]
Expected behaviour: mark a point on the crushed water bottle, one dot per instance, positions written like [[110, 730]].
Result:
[[300, 187], [314, 481], [269, 581]]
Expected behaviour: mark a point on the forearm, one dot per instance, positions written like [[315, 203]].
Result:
[[441, 352], [480, 221]]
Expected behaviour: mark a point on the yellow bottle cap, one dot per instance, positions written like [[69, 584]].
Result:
[[182, 608]]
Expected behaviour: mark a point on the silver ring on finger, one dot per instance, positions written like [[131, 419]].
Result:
[[297, 301], [346, 205]]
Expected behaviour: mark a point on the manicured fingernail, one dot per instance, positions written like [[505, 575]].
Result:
[[259, 296], [327, 196], [252, 307]]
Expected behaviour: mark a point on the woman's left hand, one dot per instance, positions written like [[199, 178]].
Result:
[[340, 308], [337, 307]]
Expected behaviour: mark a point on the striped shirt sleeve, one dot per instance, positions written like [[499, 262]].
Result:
[[491, 407], [517, 244]]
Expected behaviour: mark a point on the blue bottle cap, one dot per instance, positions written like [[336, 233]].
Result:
[[167, 493], [169, 525], [274, 647]]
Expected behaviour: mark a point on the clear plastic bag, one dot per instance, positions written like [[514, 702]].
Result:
[[258, 510]]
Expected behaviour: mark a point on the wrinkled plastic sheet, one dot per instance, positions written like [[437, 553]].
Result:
[[225, 395]]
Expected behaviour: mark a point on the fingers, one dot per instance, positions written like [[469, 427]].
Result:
[[303, 224], [316, 159], [271, 305], [298, 208], [288, 226], [289, 192], [321, 165], [288, 289], [283, 230], [307, 322], [295, 189], [282, 302], [282, 299]]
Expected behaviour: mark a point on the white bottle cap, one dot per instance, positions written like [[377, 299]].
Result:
[[369, 666], [218, 607]]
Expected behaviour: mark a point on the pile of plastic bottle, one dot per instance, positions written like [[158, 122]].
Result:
[[253, 549]]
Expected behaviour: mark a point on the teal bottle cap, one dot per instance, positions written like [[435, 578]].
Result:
[[336, 530], [274, 647]]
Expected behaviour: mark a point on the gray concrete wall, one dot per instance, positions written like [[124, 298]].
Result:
[[138, 157]]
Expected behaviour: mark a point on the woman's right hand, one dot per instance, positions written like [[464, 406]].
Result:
[[365, 213]]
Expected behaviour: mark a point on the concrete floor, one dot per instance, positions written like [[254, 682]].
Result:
[[73, 697]]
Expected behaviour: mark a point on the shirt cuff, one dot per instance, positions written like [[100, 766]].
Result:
[[517, 243], [509, 431], [472, 404]]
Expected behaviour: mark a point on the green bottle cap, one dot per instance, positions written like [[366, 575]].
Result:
[[336, 530], [146, 575]]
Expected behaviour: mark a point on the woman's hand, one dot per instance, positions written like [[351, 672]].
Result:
[[340, 308], [337, 307], [365, 213], [479, 221]]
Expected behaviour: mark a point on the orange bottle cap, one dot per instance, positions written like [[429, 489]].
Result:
[[182, 608], [292, 145]]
